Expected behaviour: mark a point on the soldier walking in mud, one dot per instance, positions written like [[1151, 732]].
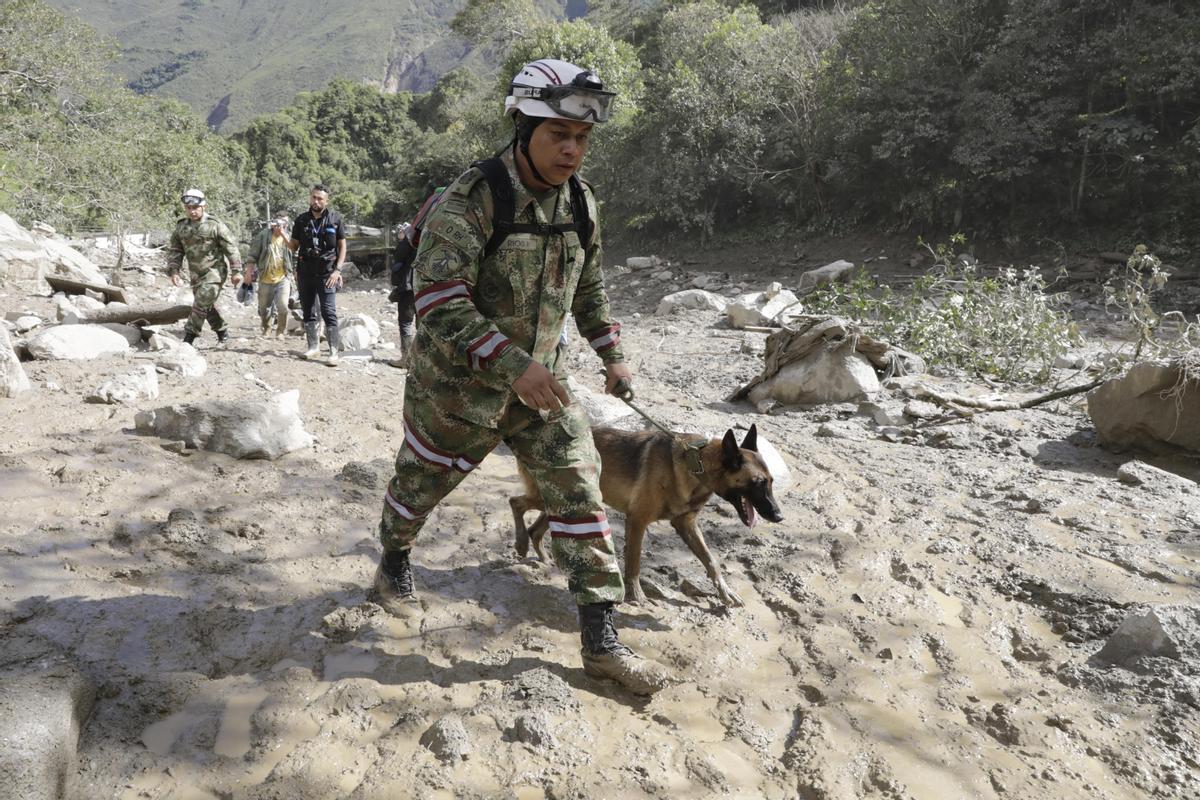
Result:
[[512, 247], [207, 244]]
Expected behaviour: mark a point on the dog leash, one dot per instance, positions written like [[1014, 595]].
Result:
[[624, 392]]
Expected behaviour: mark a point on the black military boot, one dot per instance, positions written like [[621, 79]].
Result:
[[222, 336], [393, 587], [188, 337], [605, 657]]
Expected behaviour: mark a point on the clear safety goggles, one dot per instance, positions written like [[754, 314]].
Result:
[[573, 102]]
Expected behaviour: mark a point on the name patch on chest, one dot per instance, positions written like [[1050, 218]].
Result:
[[523, 241]]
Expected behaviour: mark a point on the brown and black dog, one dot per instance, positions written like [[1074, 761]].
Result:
[[649, 475]]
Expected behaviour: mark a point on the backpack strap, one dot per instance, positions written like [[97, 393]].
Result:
[[504, 209]]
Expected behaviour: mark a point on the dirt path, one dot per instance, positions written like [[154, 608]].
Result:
[[921, 625]]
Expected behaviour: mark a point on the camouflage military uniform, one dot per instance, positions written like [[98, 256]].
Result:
[[481, 324], [1142, 261], [206, 244]]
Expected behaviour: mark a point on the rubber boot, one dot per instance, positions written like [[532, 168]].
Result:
[[605, 657], [188, 337], [310, 334], [335, 345], [223, 336], [393, 585]]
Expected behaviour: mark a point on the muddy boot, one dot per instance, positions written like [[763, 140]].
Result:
[[406, 348], [393, 588], [310, 334], [222, 336], [188, 337], [605, 657], [335, 346]]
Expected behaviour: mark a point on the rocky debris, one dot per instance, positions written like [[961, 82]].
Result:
[[534, 730], [359, 332], [1159, 631], [129, 388], [76, 342], [13, 379], [373, 474], [26, 322], [179, 357], [44, 702], [183, 527], [27, 258], [1139, 473], [603, 410], [824, 360], [997, 722], [343, 624], [775, 306], [250, 428], [541, 688], [447, 739], [827, 274], [1151, 407], [691, 299]]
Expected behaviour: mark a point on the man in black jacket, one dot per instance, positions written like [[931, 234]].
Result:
[[319, 239]]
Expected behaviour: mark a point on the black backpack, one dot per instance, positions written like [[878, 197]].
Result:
[[504, 205]]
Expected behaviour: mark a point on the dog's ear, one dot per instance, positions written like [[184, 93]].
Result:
[[751, 440], [731, 457]]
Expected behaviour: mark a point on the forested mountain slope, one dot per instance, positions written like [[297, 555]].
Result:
[[234, 59]]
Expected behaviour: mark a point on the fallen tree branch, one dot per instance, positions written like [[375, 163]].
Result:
[[959, 402], [146, 315]]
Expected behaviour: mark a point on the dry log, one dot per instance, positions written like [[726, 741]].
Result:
[[959, 402], [112, 294], [140, 315]]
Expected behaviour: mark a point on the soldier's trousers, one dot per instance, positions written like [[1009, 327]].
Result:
[[204, 307], [441, 449]]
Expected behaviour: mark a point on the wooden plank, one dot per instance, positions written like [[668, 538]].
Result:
[[113, 294]]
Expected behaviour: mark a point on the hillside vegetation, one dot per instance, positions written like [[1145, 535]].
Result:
[[997, 118]]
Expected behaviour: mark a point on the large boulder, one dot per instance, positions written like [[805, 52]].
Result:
[[76, 342], [762, 308], [26, 258], [129, 388], [360, 332], [1171, 631], [823, 275], [691, 299], [179, 357], [830, 374], [44, 702], [247, 428], [1151, 407], [13, 379]]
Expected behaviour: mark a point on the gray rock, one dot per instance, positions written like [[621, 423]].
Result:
[[181, 358], [1148, 408], [13, 379], [250, 428], [140, 384], [884, 416], [44, 703], [691, 298], [827, 375], [919, 409], [826, 274], [27, 322], [132, 334], [1139, 473], [642, 262], [447, 739], [540, 688], [360, 332], [76, 343], [603, 410], [534, 730], [762, 308], [1162, 631]]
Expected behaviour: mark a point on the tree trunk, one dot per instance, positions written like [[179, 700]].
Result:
[[146, 315]]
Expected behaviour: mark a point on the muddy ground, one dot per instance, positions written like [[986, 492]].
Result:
[[923, 624]]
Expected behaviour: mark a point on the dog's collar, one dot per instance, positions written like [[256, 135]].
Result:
[[691, 454]]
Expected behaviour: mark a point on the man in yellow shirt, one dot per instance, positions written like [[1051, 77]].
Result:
[[272, 261]]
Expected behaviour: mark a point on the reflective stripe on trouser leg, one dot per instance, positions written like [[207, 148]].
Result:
[[439, 450], [562, 460], [204, 307]]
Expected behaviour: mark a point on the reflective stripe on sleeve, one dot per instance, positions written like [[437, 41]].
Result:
[[436, 294], [594, 526]]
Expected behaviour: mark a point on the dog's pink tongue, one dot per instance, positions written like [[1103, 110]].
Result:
[[751, 517]]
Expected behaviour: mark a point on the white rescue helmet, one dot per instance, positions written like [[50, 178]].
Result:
[[558, 90], [192, 197]]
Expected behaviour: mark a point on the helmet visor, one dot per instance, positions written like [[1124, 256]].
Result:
[[572, 102]]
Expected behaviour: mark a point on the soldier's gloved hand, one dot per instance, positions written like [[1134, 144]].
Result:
[[175, 281], [539, 390], [619, 380]]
